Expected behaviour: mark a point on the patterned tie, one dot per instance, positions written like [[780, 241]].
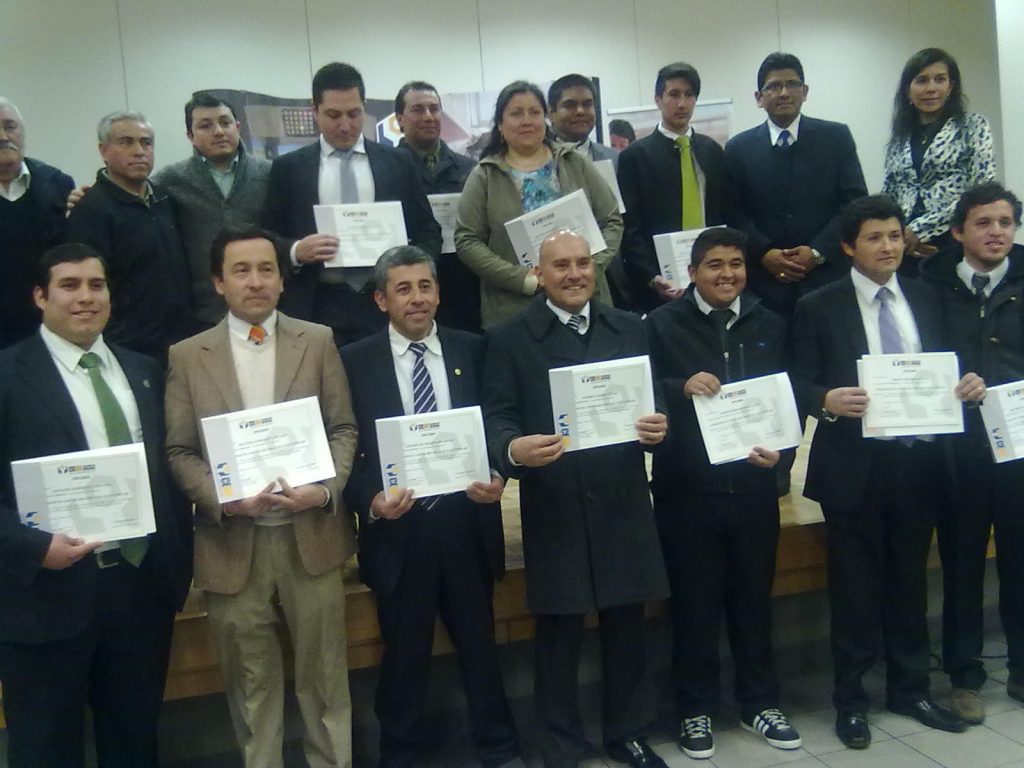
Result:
[[693, 209], [349, 189], [980, 282], [574, 323], [423, 399], [257, 335], [118, 433], [892, 342], [783, 140]]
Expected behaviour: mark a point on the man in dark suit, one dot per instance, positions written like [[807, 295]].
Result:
[[32, 196], [879, 496], [443, 171], [426, 556], [671, 180], [589, 536], [82, 624], [341, 167], [791, 176]]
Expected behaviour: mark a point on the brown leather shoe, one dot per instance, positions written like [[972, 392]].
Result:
[[967, 705]]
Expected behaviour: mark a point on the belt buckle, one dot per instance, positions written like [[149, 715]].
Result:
[[115, 558]]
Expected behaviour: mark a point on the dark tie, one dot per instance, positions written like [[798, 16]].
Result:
[[118, 433], [423, 399], [979, 283], [720, 319], [574, 323], [892, 342], [349, 189], [783, 141]]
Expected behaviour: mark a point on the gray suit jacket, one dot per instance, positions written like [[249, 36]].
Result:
[[202, 382], [601, 152], [201, 211]]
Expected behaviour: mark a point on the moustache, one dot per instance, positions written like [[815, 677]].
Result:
[[8, 145]]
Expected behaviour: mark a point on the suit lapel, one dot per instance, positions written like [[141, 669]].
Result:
[[197, 170], [848, 309], [143, 389], [220, 365], [456, 364], [387, 382], [924, 315], [44, 380], [559, 346], [291, 347]]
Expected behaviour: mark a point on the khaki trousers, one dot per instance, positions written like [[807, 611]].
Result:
[[245, 629]]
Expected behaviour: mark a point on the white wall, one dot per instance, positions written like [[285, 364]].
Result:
[[1010, 19], [68, 63]]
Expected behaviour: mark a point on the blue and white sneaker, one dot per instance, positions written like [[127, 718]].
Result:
[[774, 728]]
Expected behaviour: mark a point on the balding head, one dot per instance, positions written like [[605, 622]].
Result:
[[12, 141], [566, 270]]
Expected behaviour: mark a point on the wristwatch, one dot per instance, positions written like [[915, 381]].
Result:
[[818, 258], [826, 416]]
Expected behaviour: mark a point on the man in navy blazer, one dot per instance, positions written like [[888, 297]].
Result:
[[879, 495], [341, 167], [440, 554], [80, 626], [791, 177]]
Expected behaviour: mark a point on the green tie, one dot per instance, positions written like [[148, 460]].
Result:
[[118, 433], [693, 210]]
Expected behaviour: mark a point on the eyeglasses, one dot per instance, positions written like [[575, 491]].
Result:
[[776, 86]]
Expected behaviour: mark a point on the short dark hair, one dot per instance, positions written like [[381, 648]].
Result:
[[65, 253], [565, 82], [230, 235], [495, 143], [717, 237], [878, 207], [621, 128], [904, 114], [412, 85], [776, 61], [678, 70], [400, 256], [204, 100], [984, 194], [337, 76]]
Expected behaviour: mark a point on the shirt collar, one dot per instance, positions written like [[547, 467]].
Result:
[[669, 134], [867, 288], [400, 344], [965, 272], [706, 308], [793, 128], [239, 328], [583, 147], [68, 354], [19, 184], [563, 315], [213, 169], [326, 150]]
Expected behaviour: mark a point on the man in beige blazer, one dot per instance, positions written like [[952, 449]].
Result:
[[284, 548]]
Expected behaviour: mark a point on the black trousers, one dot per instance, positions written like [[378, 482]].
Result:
[[627, 706], [720, 554], [985, 495], [877, 558], [117, 667], [445, 572]]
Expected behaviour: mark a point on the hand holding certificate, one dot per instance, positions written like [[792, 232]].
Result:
[[599, 404], [445, 208], [364, 231], [571, 212], [742, 415], [911, 394], [249, 450], [100, 495]]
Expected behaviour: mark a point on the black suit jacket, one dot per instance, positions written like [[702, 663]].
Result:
[[38, 418], [786, 198], [651, 184], [375, 395], [828, 339], [292, 192]]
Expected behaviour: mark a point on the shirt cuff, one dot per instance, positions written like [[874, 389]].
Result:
[[291, 255], [508, 451], [530, 284]]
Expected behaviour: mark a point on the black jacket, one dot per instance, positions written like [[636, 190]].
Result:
[[146, 265], [448, 176], [684, 341]]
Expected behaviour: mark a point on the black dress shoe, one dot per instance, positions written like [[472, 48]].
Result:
[[634, 752], [931, 714], [853, 731]]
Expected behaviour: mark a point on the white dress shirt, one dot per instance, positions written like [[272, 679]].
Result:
[[404, 360], [329, 183], [793, 128], [706, 308], [867, 291], [965, 272], [563, 316], [19, 185]]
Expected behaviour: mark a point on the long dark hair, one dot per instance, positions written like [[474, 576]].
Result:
[[495, 143], [904, 115]]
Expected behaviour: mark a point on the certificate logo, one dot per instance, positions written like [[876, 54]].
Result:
[[253, 423], [75, 469], [1015, 392], [730, 395], [391, 477], [595, 379], [420, 426], [904, 363], [224, 479], [563, 427]]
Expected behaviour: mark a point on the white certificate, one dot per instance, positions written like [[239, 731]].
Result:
[[1003, 413], [364, 231], [446, 209], [598, 403], [433, 453], [910, 394], [607, 171], [571, 212], [100, 495], [755, 412], [250, 449], [673, 250]]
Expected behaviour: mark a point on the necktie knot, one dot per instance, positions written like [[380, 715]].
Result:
[[343, 154], [884, 295], [683, 142], [784, 139], [574, 323], [89, 361], [257, 335], [721, 318], [980, 283], [418, 348]]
